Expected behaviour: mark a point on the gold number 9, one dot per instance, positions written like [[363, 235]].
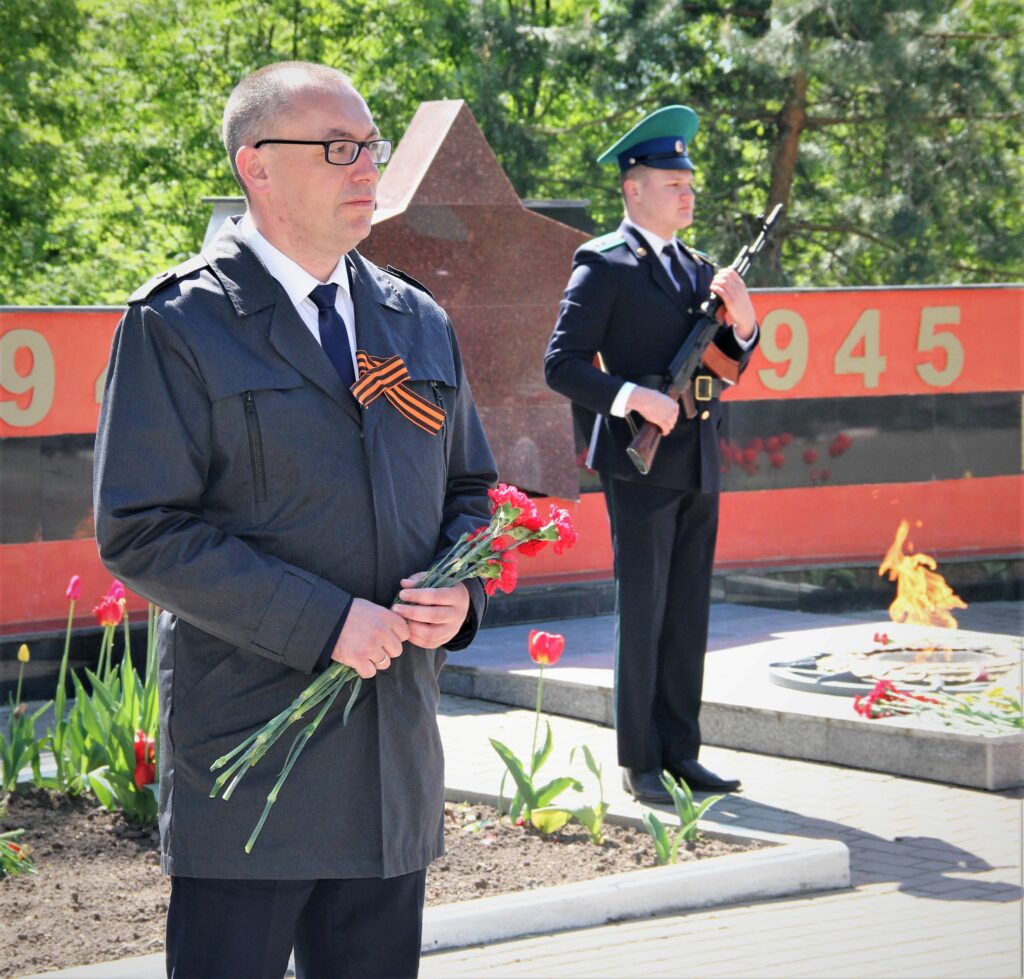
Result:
[[794, 352], [40, 380]]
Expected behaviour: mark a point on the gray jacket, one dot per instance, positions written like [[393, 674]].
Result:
[[240, 487]]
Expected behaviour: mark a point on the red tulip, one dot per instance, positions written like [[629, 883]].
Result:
[[144, 775], [109, 612], [785, 438], [749, 455], [778, 460], [545, 647], [74, 592], [810, 455], [772, 443], [116, 591], [145, 748]]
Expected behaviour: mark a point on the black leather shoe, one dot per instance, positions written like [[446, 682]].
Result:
[[646, 786], [696, 776]]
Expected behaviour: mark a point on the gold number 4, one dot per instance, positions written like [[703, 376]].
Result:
[[870, 364]]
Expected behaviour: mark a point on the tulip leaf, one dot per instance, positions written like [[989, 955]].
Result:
[[554, 788], [515, 768], [542, 753], [588, 757], [662, 844], [550, 819]]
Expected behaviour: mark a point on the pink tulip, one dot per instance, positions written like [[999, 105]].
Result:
[[74, 592]]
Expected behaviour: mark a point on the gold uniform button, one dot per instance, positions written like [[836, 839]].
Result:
[[705, 415]]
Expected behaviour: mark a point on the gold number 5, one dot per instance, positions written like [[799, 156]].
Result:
[[40, 380], [928, 338]]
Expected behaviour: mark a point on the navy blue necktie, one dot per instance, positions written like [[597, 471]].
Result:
[[677, 272], [333, 334]]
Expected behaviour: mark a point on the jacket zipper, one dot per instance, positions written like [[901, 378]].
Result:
[[439, 401], [252, 423]]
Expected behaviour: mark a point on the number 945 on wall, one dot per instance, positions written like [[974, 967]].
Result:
[[834, 344]]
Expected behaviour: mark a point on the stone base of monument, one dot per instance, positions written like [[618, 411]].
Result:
[[745, 710]]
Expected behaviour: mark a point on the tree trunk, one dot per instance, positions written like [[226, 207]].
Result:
[[791, 122]]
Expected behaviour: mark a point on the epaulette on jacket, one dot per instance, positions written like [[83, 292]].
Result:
[[605, 243], [405, 277], [703, 256], [161, 279]]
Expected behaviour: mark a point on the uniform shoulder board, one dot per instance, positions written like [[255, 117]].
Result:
[[605, 243], [161, 279], [703, 256], [405, 277]]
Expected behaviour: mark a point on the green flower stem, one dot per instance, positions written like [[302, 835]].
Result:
[[127, 636], [297, 746], [17, 696], [60, 724], [536, 719]]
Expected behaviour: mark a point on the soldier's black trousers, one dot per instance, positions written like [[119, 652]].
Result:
[[340, 929], [664, 546]]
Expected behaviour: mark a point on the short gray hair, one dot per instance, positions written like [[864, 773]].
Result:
[[259, 99]]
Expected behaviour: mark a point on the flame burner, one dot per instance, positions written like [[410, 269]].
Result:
[[917, 665]]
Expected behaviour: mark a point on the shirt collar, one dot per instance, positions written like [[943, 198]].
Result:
[[655, 241], [294, 279]]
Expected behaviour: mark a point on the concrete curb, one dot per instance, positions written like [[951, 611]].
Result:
[[787, 869], [898, 746]]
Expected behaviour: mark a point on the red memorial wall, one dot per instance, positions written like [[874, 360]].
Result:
[[860, 407]]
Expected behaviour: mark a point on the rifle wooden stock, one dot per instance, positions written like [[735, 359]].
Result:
[[643, 448]]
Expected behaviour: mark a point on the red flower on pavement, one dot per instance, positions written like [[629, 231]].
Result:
[[545, 647], [882, 637], [109, 612], [74, 592]]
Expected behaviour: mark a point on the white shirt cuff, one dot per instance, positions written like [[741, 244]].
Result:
[[618, 408], [747, 344]]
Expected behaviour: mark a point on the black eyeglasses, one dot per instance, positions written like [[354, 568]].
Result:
[[342, 152]]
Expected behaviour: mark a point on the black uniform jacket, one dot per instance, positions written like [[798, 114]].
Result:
[[621, 303], [241, 488]]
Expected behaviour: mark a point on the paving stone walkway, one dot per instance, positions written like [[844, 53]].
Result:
[[936, 873]]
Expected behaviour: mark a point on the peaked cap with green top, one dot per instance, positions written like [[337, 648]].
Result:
[[658, 141]]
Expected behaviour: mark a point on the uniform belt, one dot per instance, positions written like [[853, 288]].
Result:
[[706, 387]]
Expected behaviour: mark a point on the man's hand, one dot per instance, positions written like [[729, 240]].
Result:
[[370, 639], [433, 615], [739, 310], [657, 408]]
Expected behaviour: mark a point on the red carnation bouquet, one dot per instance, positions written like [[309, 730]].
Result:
[[517, 528]]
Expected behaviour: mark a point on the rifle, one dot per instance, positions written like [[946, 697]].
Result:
[[694, 351]]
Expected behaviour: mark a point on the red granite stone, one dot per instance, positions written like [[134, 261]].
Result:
[[449, 216]]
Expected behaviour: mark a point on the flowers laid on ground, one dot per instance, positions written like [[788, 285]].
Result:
[[993, 710], [666, 843], [15, 858], [516, 528]]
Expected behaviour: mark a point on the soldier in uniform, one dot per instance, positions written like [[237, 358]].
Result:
[[631, 300]]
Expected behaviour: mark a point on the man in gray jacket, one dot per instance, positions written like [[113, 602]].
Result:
[[243, 488]]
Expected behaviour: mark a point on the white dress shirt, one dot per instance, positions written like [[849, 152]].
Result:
[[618, 408], [298, 283]]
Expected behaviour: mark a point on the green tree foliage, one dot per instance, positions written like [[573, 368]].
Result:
[[890, 128]]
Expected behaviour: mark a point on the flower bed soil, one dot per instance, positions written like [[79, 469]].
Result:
[[99, 893]]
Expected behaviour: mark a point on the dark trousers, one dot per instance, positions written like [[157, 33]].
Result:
[[340, 929], [664, 546]]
